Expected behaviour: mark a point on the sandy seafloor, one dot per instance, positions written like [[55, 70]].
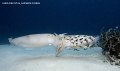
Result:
[[14, 58]]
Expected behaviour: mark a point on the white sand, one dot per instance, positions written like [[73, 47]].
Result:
[[14, 58]]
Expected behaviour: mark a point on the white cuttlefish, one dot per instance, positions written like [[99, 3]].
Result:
[[59, 42]]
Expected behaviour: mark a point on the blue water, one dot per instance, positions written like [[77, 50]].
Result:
[[58, 16]]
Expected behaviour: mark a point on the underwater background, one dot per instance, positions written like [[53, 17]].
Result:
[[85, 17]]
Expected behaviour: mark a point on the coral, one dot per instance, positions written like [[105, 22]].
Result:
[[111, 45]]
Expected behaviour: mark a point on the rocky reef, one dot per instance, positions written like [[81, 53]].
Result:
[[110, 45]]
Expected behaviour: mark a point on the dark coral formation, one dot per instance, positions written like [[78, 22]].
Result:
[[111, 45]]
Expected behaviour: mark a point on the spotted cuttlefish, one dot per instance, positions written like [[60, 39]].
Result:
[[60, 42]]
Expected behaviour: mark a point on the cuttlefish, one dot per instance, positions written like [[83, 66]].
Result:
[[60, 42]]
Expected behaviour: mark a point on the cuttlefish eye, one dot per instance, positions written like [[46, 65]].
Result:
[[52, 36], [67, 38]]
